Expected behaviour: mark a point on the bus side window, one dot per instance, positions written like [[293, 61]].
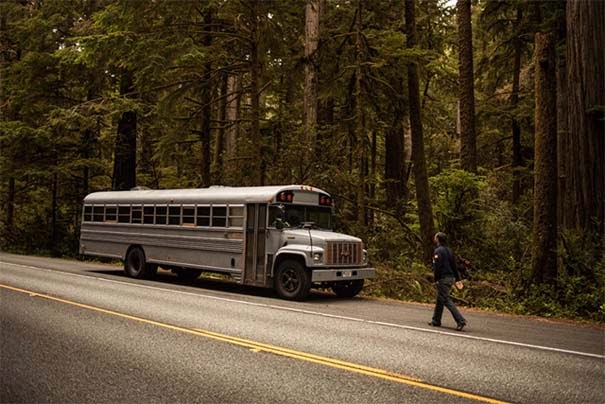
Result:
[[174, 215], [124, 214], [219, 216], [111, 214], [236, 216], [188, 216], [203, 215], [98, 213], [137, 214], [160, 214], [88, 213], [148, 214]]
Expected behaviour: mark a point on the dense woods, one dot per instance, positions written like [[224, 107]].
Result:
[[484, 119]]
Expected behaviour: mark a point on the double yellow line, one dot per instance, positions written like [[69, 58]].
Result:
[[260, 347]]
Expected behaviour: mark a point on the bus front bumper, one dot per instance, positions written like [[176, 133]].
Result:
[[342, 274]]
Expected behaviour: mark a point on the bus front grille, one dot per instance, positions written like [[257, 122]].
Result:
[[343, 253]]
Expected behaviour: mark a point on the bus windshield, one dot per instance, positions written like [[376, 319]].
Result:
[[297, 215]]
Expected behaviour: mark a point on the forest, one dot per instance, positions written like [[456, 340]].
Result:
[[484, 119]]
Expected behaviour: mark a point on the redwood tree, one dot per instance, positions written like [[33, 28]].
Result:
[[468, 141], [125, 156], [425, 211], [544, 258], [206, 97], [584, 204], [360, 134], [312, 16], [514, 101]]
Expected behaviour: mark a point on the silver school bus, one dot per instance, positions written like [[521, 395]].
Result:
[[271, 236]]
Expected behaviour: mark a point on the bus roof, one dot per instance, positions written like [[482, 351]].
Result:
[[214, 194]]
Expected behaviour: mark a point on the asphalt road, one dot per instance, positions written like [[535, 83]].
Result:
[[79, 332]]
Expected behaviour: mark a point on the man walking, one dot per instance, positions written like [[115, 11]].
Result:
[[446, 273]]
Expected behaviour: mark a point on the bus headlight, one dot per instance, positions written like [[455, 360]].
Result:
[[365, 257], [317, 257]]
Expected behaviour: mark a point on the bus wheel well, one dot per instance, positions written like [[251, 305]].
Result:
[[283, 257], [133, 246]]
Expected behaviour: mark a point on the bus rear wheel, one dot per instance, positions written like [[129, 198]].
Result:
[[292, 281], [348, 288], [135, 265]]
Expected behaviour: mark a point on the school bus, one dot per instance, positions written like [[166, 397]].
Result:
[[269, 236]]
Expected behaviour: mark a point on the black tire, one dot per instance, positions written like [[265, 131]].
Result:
[[135, 265], [292, 281], [348, 288]]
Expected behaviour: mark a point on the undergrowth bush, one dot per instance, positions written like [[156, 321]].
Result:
[[408, 281]]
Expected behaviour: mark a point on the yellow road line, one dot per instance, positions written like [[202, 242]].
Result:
[[260, 347]]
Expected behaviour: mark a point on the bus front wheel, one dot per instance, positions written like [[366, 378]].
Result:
[[135, 265], [292, 281], [347, 288]]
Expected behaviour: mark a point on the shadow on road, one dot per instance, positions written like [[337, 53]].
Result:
[[222, 285]]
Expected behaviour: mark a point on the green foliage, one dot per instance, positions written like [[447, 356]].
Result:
[[457, 205], [60, 73], [581, 278]]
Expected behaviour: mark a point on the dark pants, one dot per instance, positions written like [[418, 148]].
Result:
[[443, 299]]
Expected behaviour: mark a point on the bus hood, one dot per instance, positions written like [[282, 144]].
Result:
[[319, 237]]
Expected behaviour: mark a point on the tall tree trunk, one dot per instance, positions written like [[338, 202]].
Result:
[[282, 173], [563, 148], [125, 155], [585, 179], [544, 257], [312, 17], [219, 139], [232, 115], [360, 135], [232, 128], [206, 98], [514, 101], [394, 159], [255, 71], [372, 174], [468, 140], [425, 211]]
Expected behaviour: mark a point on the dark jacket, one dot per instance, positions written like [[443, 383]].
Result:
[[444, 263]]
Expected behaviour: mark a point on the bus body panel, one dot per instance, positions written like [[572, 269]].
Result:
[[211, 250]]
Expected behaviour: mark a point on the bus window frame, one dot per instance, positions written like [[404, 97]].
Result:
[[239, 218], [193, 217], [224, 217]]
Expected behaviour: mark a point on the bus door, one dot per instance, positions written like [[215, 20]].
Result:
[[256, 230]]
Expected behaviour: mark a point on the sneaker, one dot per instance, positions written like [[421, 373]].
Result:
[[461, 325], [433, 324]]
